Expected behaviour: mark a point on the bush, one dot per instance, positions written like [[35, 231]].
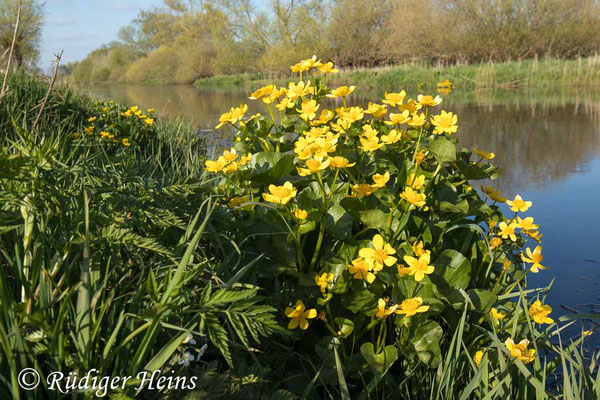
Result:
[[396, 276]]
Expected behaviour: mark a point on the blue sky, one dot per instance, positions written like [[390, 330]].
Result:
[[80, 26]]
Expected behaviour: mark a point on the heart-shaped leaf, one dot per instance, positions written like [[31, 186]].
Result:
[[379, 362]]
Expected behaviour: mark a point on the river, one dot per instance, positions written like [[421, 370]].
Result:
[[547, 146]]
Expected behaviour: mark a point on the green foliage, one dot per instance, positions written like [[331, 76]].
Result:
[[26, 47]]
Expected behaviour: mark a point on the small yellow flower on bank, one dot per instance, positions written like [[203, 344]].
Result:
[[301, 214], [419, 267], [382, 311], [494, 194], [263, 91], [398, 118], [381, 253], [394, 99], [361, 268], [539, 313], [381, 180], [534, 257], [392, 137], [520, 350], [280, 194], [313, 165], [411, 106], [418, 248], [429, 101], [215, 166], [413, 197], [484, 155], [495, 242], [507, 231], [518, 204], [497, 314], [416, 183], [299, 315], [417, 120], [126, 142], [526, 224], [340, 162], [92, 119], [342, 91], [323, 280], [376, 110], [445, 122], [371, 144], [410, 307], [308, 110], [362, 190], [327, 68], [478, 357]]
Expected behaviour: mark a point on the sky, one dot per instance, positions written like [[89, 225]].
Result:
[[80, 26]]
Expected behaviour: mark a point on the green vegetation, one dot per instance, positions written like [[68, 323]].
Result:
[[120, 253], [189, 40]]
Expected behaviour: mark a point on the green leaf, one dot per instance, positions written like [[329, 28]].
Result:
[[483, 300], [345, 325], [379, 362], [426, 343], [452, 269], [270, 166], [373, 218], [359, 299], [443, 150]]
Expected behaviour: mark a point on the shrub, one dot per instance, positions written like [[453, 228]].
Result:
[[396, 276]]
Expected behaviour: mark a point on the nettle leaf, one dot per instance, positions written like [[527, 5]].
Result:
[[381, 362], [452, 269], [426, 343], [443, 150], [269, 166]]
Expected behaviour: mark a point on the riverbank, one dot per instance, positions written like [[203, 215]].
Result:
[[546, 73]]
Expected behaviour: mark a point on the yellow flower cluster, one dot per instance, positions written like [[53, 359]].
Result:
[[135, 111], [228, 162]]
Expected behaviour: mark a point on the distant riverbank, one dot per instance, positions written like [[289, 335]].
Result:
[[546, 73]]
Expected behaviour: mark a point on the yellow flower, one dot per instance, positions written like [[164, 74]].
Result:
[[263, 91], [444, 123], [284, 104], [376, 110], [299, 89], [342, 91], [495, 242], [323, 280], [411, 106], [299, 315], [314, 165], [518, 204], [403, 271], [417, 120], [237, 201], [308, 110], [301, 214], [419, 267], [340, 162], [381, 311], [410, 307], [527, 224], [484, 155], [507, 231], [397, 119], [416, 183], [419, 157], [506, 265], [371, 144], [91, 119], [494, 194], [478, 357], [394, 99], [535, 235], [418, 249], [539, 313], [351, 114], [215, 166], [150, 110], [381, 180], [327, 68], [413, 197], [381, 253], [280, 194], [520, 350], [229, 168], [534, 258], [362, 189], [126, 142], [149, 121], [245, 159], [497, 314], [325, 117], [392, 137], [230, 155], [362, 269], [104, 134], [223, 119], [429, 100]]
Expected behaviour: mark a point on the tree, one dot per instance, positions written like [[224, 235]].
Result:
[[28, 37]]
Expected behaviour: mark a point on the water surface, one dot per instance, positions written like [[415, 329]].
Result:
[[547, 146]]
